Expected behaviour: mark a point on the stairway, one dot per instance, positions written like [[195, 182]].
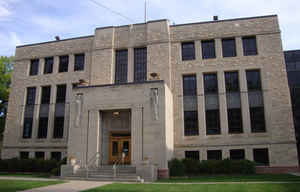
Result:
[[125, 173]]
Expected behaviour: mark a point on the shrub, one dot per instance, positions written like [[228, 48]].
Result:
[[195, 167], [176, 167]]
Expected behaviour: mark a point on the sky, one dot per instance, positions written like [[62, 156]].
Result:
[[33, 21]]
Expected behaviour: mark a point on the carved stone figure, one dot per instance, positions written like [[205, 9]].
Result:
[[78, 109], [154, 102]]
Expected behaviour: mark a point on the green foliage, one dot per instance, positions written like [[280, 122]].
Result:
[[30, 165], [193, 167]]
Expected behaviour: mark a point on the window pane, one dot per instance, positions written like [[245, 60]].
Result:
[[61, 93], [249, 46], [235, 123], [56, 156], [24, 155], [140, 64], [190, 123], [40, 155], [27, 129], [253, 80], [58, 127], [261, 156], [46, 94], [189, 85], [30, 100], [257, 119], [43, 127], [210, 83], [228, 47], [214, 155], [208, 49], [34, 67], [192, 155], [232, 81], [63, 63], [212, 118], [121, 66], [237, 154], [115, 148], [188, 51], [48, 65], [79, 62]]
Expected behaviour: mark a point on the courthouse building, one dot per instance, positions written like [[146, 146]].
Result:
[[154, 91]]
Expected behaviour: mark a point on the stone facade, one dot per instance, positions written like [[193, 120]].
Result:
[[161, 139]]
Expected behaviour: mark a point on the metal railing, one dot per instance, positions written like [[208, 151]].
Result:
[[94, 162], [117, 162]]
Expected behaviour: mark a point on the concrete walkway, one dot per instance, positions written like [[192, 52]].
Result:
[[69, 186]]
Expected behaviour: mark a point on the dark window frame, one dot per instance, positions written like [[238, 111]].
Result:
[[39, 155], [256, 86], [46, 95], [235, 120], [208, 49], [43, 127], [194, 155], [212, 121], [191, 123], [56, 155], [257, 119], [48, 65], [34, 67], [140, 64], [61, 92], [121, 66], [237, 154], [27, 130], [210, 87], [249, 48], [232, 83], [229, 50], [189, 85], [79, 62], [63, 63], [24, 155], [30, 99], [58, 131], [188, 53], [259, 158], [214, 154]]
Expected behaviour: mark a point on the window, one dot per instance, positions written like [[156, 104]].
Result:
[[40, 155], [233, 97], [63, 63], [228, 47], [27, 129], [188, 51], [56, 156], [232, 81], [212, 114], [58, 127], [190, 105], [24, 155], [189, 85], [34, 67], [30, 99], [256, 104], [48, 68], [208, 49], [191, 123], [257, 116], [121, 66], [46, 94], [261, 156], [43, 127], [249, 45], [192, 155], [79, 62], [61, 93], [140, 64], [210, 83], [214, 155], [237, 154], [253, 80]]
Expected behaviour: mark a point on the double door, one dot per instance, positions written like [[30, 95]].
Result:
[[120, 149]]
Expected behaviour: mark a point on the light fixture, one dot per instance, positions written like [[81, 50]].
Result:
[[116, 114]]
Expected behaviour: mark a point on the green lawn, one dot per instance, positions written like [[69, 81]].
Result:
[[18, 185], [294, 187], [234, 178], [37, 175]]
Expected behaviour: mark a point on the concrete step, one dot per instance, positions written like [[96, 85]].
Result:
[[102, 179]]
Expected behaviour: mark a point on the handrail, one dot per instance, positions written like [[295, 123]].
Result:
[[115, 166], [96, 157]]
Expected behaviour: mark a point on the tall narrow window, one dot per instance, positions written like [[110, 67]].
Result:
[[228, 47], [256, 103], [212, 113], [61, 93], [43, 127], [79, 62], [58, 127], [121, 66], [46, 94], [56, 156], [48, 68], [249, 45], [28, 114], [190, 105], [140, 64], [208, 49], [188, 51], [63, 63], [34, 67], [235, 123]]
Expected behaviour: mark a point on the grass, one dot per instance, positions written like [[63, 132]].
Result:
[[234, 178], [34, 175], [18, 185], [290, 187]]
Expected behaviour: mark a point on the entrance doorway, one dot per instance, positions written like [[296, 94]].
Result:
[[120, 148]]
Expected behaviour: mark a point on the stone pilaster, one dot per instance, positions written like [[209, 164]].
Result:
[[136, 136], [244, 102], [222, 103]]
